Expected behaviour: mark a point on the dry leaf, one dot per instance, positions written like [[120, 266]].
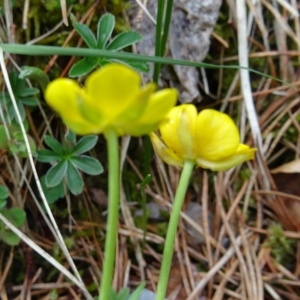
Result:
[[290, 167]]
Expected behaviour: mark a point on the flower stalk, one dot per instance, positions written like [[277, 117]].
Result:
[[113, 213], [172, 229]]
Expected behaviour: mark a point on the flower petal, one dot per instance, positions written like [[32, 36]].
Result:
[[114, 88], [217, 136], [158, 105], [243, 153], [165, 153], [63, 95], [170, 129], [186, 130]]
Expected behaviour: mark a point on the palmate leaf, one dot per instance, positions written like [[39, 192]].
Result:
[[29, 101], [10, 238], [86, 33], [17, 217], [34, 73], [4, 193], [74, 180], [53, 144], [56, 174], [11, 111], [48, 156], [83, 66], [136, 294], [85, 144], [123, 40], [52, 193], [123, 294], [87, 164], [105, 28], [70, 136]]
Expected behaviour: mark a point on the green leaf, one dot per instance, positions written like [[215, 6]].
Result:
[[83, 66], [70, 136], [48, 156], [74, 180], [136, 294], [29, 101], [56, 174], [54, 193], [85, 144], [123, 40], [123, 294], [17, 144], [34, 73], [15, 215], [11, 111], [105, 28], [4, 193], [86, 34], [113, 295], [2, 203], [54, 144], [3, 138], [10, 238], [87, 164], [28, 92]]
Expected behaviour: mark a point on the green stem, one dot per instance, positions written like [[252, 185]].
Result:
[[158, 36], [164, 13], [172, 230], [167, 23], [113, 213]]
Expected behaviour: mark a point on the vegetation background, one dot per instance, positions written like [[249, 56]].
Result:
[[239, 235]]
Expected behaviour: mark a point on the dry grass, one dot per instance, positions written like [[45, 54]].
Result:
[[234, 259]]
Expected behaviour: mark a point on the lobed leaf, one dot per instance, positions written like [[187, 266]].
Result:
[[74, 180], [28, 92], [53, 144], [123, 40], [4, 193], [52, 193], [83, 66], [87, 164], [136, 294], [85, 144], [56, 174], [87, 35], [48, 156], [105, 28]]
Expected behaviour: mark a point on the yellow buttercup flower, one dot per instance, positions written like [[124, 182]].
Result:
[[111, 99], [210, 139]]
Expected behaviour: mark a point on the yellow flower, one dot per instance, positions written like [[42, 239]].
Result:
[[210, 139], [112, 99]]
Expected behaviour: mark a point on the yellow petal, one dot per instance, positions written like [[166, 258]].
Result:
[[158, 105], [165, 153], [242, 154], [63, 95], [170, 129], [186, 130], [129, 117], [217, 136], [114, 88]]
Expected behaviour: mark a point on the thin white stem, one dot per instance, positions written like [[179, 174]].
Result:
[[58, 235], [225, 258], [41, 252]]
